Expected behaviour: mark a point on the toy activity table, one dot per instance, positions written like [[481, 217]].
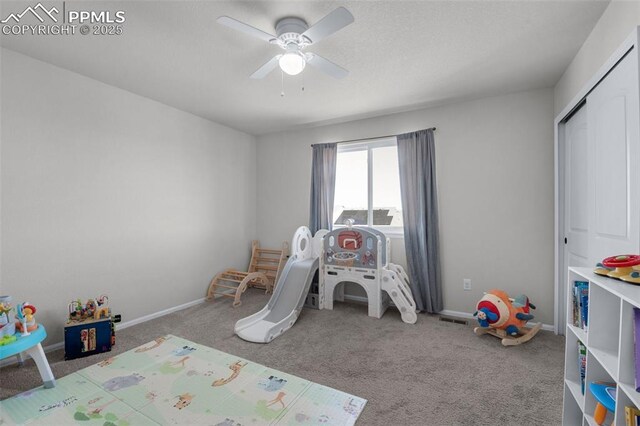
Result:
[[31, 345]]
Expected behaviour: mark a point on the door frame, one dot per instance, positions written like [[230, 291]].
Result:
[[560, 286]]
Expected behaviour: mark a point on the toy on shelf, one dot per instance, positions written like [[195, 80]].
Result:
[[7, 326], [605, 396], [505, 318], [26, 321], [625, 267], [263, 272]]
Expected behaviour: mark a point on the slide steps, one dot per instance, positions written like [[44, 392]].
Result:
[[395, 282]]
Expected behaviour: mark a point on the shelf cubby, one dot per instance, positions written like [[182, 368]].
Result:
[[572, 372], [604, 327], [623, 400], [596, 372], [627, 371], [572, 413]]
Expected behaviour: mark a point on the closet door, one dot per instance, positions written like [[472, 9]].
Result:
[[614, 162], [576, 207]]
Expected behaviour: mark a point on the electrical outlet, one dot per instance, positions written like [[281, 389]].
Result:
[[466, 284]]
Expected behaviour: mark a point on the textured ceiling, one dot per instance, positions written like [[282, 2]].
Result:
[[401, 55]]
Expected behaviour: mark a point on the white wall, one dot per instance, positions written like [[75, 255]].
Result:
[[618, 21], [104, 191], [495, 180]]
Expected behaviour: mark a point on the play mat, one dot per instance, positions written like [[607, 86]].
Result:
[[174, 381]]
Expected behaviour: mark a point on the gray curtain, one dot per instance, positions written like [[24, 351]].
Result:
[[417, 161], [323, 185]]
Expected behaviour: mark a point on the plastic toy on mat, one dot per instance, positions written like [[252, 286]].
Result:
[[625, 267], [263, 272], [505, 318]]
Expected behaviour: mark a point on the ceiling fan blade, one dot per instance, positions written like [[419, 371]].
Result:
[[326, 66], [333, 22], [266, 68], [245, 28]]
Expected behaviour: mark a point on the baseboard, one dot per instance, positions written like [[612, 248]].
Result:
[[158, 314], [448, 312], [14, 359], [120, 326], [451, 313]]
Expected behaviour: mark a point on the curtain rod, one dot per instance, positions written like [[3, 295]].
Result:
[[369, 139]]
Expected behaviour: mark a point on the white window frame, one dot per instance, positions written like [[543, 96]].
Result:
[[368, 146]]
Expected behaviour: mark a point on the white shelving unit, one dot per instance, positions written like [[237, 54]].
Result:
[[610, 347]]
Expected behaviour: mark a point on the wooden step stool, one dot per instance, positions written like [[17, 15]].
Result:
[[264, 269]]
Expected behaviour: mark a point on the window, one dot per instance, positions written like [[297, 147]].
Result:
[[368, 185]]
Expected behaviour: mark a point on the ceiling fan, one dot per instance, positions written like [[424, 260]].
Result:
[[294, 35]]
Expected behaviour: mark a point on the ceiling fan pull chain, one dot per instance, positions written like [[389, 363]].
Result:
[[303, 82], [282, 83]]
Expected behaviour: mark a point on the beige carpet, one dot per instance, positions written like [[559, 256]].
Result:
[[431, 373]]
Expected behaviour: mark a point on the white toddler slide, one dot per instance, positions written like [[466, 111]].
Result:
[[289, 295]]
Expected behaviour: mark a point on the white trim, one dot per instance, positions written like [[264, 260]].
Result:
[[467, 315], [14, 359], [451, 313], [369, 146], [364, 145], [628, 44], [559, 313], [558, 228], [369, 186], [394, 234], [446, 312], [119, 326], [149, 317]]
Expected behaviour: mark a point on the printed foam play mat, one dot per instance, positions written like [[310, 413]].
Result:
[[175, 381]]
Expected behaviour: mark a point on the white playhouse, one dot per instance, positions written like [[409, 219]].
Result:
[[361, 255], [344, 255]]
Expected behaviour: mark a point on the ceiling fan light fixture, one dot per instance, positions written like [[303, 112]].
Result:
[[293, 36], [292, 63]]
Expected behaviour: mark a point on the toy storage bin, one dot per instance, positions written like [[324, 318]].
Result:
[[86, 338]]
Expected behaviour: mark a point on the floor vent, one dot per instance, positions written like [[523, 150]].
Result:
[[454, 320]]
